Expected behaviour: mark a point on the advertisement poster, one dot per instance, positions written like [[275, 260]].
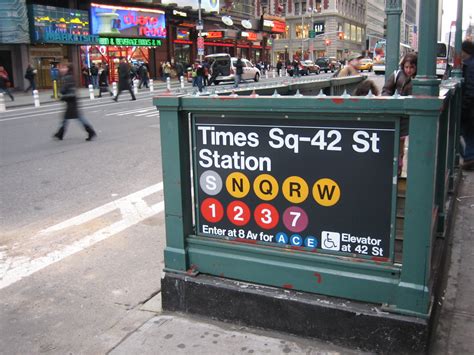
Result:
[[57, 24], [121, 21], [207, 5], [318, 186]]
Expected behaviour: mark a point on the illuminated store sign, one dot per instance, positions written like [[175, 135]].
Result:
[[182, 33], [50, 24], [120, 41], [251, 36], [179, 13], [121, 21], [214, 34]]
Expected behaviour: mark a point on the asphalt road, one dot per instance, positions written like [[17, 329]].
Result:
[[81, 225]]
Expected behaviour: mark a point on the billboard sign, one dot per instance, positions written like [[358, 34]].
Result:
[[51, 24], [287, 184], [124, 21], [206, 5]]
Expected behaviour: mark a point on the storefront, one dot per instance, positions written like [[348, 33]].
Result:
[[55, 34], [124, 32]]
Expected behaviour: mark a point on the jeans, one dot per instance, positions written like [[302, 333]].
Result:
[[468, 150], [237, 80], [95, 81], [7, 91], [32, 85], [81, 119]]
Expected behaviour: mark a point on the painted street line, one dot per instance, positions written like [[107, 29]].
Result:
[[133, 209]]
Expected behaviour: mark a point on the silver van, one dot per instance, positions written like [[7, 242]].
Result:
[[225, 64]]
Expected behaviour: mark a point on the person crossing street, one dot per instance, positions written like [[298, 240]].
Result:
[[124, 79]]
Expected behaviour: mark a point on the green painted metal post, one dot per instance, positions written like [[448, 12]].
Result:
[[457, 70], [442, 169], [413, 292], [393, 9], [426, 82], [177, 182]]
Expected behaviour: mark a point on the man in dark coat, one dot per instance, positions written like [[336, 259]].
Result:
[[239, 70], [30, 75], [143, 73], [124, 79], [68, 94], [467, 108]]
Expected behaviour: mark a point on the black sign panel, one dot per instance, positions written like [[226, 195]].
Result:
[[322, 186], [318, 28]]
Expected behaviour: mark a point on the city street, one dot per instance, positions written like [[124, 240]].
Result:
[[59, 198], [82, 238]]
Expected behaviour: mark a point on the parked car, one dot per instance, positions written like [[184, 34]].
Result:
[[327, 64], [226, 65], [365, 64], [311, 67]]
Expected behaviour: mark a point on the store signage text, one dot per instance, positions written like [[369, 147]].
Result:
[[279, 26], [117, 41], [109, 20], [318, 28], [251, 36], [214, 34], [180, 13], [70, 38]]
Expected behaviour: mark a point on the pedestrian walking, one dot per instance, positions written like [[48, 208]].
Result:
[[86, 74], [296, 67], [179, 69], [4, 82], [467, 108], [95, 76], [30, 75], [124, 79], [103, 81], [239, 70], [167, 70], [68, 95], [279, 66], [350, 68], [143, 74]]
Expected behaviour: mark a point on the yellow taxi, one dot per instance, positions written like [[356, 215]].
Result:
[[365, 64]]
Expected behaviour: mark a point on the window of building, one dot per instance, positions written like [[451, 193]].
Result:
[[302, 32], [297, 8], [353, 33]]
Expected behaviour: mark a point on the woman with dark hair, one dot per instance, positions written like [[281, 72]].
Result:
[[68, 94], [400, 80]]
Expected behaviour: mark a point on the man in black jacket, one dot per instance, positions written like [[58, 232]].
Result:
[[467, 114], [239, 70], [68, 94], [124, 79]]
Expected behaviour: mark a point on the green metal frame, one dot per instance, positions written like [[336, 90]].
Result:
[[401, 288]]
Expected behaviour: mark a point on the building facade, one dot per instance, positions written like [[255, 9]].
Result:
[[317, 28], [375, 23]]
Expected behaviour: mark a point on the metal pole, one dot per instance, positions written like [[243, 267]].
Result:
[[393, 10], [302, 32], [200, 26], [457, 67], [426, 82]]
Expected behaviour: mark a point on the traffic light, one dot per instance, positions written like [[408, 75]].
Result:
[[327, 42], [340, 35], [385, 27]]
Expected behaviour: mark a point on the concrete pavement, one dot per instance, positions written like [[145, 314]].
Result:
[[164, 333]]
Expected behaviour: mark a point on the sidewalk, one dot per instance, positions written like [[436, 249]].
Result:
[[23, 99], [181, 334]]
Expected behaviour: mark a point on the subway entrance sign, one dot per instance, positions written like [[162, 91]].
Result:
[[322, 186]]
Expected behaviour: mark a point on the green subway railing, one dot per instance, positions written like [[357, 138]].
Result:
[[239, 171]]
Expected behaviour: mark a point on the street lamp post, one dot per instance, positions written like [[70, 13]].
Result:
[[302, 32], [199, 28]]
